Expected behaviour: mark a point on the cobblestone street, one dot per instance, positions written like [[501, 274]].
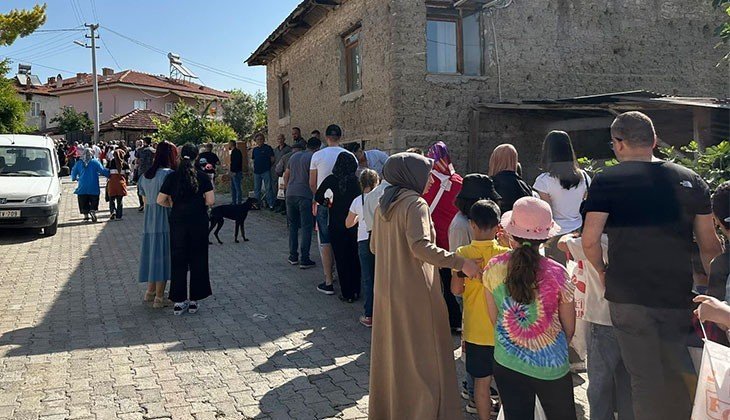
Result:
[[77, 342]]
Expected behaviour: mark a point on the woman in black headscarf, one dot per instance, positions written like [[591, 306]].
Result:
[[337, 192]]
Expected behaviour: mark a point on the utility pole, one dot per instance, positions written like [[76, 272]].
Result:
[[93, 27]]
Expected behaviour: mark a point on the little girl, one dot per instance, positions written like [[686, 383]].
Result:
[[530, 300], [117, 185], [368, 181]]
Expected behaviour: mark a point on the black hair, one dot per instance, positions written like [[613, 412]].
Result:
[[353, 147], [721, 204], [558, 159], [485, 214], [524, 263], [298, 129], [315, 132], [187, 182], [147, 140], [464, 205], [314, 143]]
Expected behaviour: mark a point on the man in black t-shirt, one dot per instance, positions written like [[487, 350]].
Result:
[[209, 162], [236, 171], [651, 210]]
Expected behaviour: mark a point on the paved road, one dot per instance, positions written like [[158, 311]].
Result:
[[76, 341]]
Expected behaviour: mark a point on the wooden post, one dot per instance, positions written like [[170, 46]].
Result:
[[702, 123]]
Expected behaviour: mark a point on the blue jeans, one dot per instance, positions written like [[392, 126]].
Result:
[[301, 221], [265, 179], [367, 273], [609, 384], [236, 194]]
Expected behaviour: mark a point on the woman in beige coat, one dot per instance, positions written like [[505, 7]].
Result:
[[412, 373]]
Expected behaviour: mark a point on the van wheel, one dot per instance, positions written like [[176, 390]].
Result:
[[51, 230]]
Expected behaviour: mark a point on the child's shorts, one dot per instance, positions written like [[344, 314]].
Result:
[[479, 360]]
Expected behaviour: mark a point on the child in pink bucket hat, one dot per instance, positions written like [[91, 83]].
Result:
[[530, 300]]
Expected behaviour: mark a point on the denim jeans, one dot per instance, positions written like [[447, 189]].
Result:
[[115, 206], [301, 222], [367, 273], [265, 179], [236, 194], [323, 223], [654, 351], [609, 384]]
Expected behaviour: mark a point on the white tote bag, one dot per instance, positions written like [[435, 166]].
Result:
[[712, 400]]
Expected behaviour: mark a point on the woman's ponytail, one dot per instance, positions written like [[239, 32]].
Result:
[[522, 269], [188, 181]]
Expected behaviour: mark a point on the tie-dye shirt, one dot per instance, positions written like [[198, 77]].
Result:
[[529, 338]]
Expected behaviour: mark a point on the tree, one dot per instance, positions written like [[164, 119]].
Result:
[[186, 125], [239, 112], [261, 111], [12, 106], [19, 23], [70, 121]]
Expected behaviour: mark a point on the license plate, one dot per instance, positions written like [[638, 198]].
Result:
[[9, 214]]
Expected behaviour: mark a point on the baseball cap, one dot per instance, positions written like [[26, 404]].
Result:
[[333, 130]]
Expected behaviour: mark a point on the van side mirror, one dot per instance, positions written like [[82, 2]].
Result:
[[64, 172]]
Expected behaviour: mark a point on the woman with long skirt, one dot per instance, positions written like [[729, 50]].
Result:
[[189, 193], [344, 187], [154, 266]]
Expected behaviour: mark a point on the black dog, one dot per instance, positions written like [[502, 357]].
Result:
[[237, 212]]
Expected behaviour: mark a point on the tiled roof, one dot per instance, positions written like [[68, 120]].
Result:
[[139, 79], [36, 90], [139, 119]]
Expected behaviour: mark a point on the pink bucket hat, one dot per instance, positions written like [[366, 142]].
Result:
[[530, 218]]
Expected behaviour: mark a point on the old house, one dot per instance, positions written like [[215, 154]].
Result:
[[42, 104], [132, 126], [396, 74]]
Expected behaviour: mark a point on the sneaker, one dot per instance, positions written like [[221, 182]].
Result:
[[113, 217], [141, 209], [464, 391], [93, 217], [306, 264], [293, 261], [327, 289], [366, 321], [193, 307], [180, 307], [162, 303], [471, 407]]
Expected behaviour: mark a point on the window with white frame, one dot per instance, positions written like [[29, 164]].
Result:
[[169, 107], [35, 109], [140, 104]]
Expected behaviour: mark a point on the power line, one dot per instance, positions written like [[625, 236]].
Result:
[[93, 10], [191, 62], [52, 53], [41, 31], [50, 44], [120, 67], [81, 10], [41, 65], [76, 13]]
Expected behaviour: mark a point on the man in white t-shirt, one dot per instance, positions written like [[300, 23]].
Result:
[[609, 384], [320, 168]]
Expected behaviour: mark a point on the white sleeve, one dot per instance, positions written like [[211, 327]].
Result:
[[314, 162], [355, 205], [542, 183]]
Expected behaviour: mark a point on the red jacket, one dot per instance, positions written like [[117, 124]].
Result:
[[444, 210]]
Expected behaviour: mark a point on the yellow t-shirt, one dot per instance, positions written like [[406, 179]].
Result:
[[478, 327]]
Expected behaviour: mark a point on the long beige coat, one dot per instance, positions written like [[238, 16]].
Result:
[[412, 371]]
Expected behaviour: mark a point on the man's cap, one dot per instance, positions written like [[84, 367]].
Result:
[[333, 130], [314, 143], [478, 187]]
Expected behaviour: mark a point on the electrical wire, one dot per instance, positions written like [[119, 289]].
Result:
[[81, 10], [42, 31], [47, 45], [93, 10], [53, 53], [76, 13], [191, 62], [41, 65]]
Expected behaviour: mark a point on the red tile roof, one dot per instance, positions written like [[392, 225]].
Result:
[[36, 90], [139, 79], [139, 119]]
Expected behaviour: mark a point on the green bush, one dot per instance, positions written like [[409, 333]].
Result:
[[712, 163]]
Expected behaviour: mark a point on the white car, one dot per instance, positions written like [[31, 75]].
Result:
[[30, 184]]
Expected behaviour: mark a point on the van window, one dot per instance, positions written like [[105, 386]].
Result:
[[25, 161]]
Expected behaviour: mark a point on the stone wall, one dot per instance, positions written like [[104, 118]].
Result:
[[546, 49], [317, 81], [553, 49]]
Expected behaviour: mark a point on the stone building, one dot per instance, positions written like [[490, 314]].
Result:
[[403, 73]]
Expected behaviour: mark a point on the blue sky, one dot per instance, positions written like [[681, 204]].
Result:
[[220, 34]]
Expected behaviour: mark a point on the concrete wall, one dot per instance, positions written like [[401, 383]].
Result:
[[316, 75], [120, 100], [50, 105], [553, 49]]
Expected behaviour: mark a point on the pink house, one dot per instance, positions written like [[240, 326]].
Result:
[[125, 91]]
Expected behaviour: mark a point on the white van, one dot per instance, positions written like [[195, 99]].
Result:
[[30, 185]]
